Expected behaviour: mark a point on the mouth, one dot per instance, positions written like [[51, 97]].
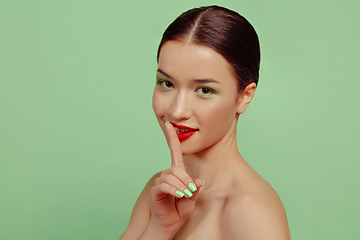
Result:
[[184, 132]]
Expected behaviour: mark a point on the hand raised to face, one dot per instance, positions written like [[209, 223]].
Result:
[[174, 193]]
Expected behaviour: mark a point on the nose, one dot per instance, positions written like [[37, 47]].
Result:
[[181, 107]]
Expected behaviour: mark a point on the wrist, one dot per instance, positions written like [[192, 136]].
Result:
[[155, 231]]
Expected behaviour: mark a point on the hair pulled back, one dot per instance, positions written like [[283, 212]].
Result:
[[225, 32]]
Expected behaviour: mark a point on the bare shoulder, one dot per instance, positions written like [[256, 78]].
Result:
[[141, 213], [256, 213]]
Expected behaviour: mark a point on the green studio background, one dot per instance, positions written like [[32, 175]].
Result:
[[78, 138]]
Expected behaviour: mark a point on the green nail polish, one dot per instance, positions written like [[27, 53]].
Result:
[[166, 122], [180, 194], [192, 187], [188, 193], [202, 183]]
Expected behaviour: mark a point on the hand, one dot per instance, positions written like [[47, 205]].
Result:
[[174, 194]]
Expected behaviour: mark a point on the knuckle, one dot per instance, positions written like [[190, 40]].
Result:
[[152, 190], [171, 170], [162, 187], [176, 170], [163, 173], [157, 181], [167, 178]]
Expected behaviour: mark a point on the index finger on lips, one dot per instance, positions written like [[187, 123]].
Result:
[[174, 145]]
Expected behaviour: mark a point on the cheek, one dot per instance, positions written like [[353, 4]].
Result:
[[158, 105], [155, 104], [219, 116]]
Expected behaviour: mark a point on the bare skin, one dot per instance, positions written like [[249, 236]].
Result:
[[235, 202]]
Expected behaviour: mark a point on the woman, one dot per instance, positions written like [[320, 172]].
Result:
[[208, 64]]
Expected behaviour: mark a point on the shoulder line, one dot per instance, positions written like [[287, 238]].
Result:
[[256, 216]]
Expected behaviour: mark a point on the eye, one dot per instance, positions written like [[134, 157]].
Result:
[[167, 84], [164, 84], [205, 91]]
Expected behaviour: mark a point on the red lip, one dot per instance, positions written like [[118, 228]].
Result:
[[186, 135], [182, 126]]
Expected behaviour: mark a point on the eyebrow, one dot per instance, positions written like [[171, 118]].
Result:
[[163, 73], [203, 80], [206, 80]]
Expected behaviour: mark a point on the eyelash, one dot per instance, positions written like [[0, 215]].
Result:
[[161, 83], [211, 91]]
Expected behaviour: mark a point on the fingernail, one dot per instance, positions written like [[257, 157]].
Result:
[[202, 183], [192, 187], [188, 193], [166, 122], [180, 194]]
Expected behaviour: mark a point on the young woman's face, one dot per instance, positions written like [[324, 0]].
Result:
[[195, 88]]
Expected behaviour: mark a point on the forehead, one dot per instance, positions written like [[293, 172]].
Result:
[[188, 61]]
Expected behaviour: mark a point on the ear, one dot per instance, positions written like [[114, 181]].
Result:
[[245, 97]]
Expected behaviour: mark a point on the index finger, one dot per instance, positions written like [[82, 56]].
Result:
[[174, 145]]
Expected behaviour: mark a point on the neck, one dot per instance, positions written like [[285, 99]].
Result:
[[216, 163]]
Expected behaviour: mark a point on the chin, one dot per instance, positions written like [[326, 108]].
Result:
[[187, 148], [191, 148]]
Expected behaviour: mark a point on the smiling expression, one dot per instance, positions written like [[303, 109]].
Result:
[[195, 87]]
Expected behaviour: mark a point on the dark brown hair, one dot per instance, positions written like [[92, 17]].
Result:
[[225, 32]]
